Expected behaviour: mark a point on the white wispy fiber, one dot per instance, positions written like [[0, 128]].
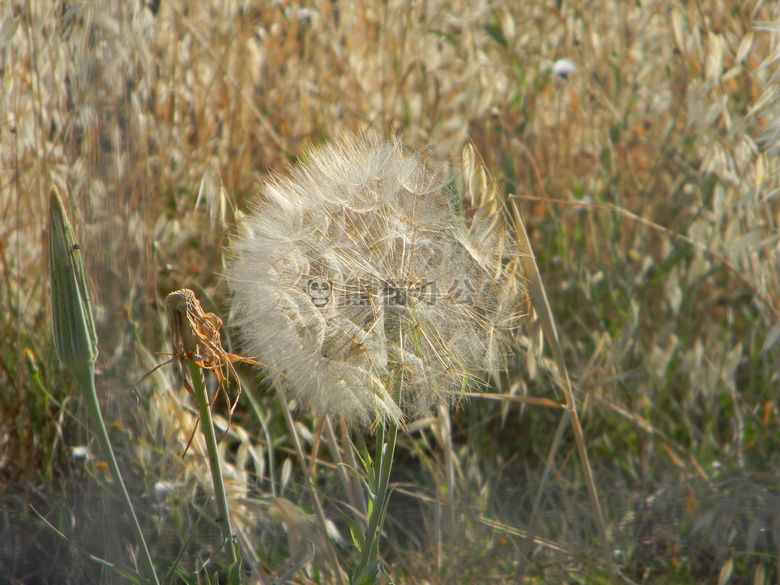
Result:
[[360, 283], [564, 68]]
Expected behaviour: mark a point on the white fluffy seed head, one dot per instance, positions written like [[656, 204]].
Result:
[[564, 68], [360, 283]]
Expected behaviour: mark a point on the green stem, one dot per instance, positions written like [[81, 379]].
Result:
[[383, 464], [207, 427], [85, 378]]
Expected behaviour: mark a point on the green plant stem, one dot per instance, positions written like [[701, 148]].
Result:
[[85, 378], [383, 464], [207, 427]]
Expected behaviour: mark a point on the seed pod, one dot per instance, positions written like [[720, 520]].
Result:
[[74, 330]]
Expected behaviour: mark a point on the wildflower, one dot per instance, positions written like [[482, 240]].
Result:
[[563, 68], [161, 490], [362, 286], [80, 453]]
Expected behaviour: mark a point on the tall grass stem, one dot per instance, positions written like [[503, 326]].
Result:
[[329, 552]]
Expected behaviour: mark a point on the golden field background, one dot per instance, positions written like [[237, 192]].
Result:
[[648, 181]]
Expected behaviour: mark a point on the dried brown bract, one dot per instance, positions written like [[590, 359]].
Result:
[[195, 336]]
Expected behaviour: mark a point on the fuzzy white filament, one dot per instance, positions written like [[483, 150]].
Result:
[[564, 68], [359, 281]]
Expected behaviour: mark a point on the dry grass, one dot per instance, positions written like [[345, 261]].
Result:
[[652, 205]]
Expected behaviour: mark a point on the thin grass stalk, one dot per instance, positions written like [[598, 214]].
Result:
[[354, 495], [444, 423], [330, 553], [352, 460], [533, 523], [437, 530], [261, 417], [539, 300], [76, 342], [315, 449], [40, 135], [207, 428]]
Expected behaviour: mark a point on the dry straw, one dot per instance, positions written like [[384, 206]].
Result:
[[368, 289]]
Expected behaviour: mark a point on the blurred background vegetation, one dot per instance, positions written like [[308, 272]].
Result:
[[648, 180]]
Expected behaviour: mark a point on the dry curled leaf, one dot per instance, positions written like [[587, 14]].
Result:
[[195, 336]]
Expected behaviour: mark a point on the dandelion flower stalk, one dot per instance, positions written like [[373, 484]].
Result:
[[188, 321], [75, 340], [378, 475], [372, 294]]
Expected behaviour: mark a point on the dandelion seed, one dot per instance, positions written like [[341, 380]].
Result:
[[80, 453], [161, 490], [563, 68], [360, 282]]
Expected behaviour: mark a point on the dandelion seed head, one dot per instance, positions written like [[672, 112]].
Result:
[[80, 453], [360, 283], [162, 489], [563, 68]]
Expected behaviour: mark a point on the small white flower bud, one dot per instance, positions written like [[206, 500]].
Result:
[[563, 68]]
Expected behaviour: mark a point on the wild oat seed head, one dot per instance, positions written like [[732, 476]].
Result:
[[360, 283]]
